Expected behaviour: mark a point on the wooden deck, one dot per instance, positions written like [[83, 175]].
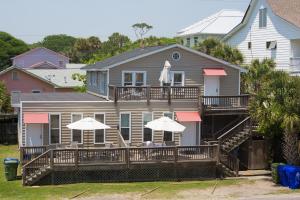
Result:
[[113, 159]]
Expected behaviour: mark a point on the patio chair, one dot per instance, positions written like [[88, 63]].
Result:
[[73, 145]]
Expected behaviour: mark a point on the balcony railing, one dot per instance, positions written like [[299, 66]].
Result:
[[148, 93], [211, 103]]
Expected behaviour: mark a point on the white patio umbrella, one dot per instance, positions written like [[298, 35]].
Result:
[[165, 75], [165, 124], [87, 123]]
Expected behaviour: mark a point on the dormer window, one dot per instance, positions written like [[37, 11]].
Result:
[[14, 76], [262, 17]]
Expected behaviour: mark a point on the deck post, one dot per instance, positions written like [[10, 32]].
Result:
[[76, 158], [127, 157], [169, 95], [148, 94], [115, 94], [51, 159], [218, 153], [175, 162]]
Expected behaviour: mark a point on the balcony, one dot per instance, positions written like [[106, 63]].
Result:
[[225, 104], [149, 93]]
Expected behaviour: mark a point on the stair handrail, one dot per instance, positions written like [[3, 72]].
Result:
[[235, 166], [33, 161], [231, 123], [236, 126]]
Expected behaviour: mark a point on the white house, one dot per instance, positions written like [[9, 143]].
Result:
[[216, 25], [270, 29]]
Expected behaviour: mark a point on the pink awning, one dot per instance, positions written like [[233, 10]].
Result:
[[214, 72], [36, 118], [188, 117]]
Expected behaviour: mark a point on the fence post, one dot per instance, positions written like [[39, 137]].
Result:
[[218, 152], [127, 157], [237, 167]]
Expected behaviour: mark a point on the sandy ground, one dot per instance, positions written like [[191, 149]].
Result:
[[259, 188]]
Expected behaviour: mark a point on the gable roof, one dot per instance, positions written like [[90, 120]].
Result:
[[288, 10], [51, 65], [147, 51], [58, 78], [219, 23], [39, 48]]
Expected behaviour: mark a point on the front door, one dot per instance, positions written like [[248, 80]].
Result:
[[188, 137], [211, 88], [34, 135]]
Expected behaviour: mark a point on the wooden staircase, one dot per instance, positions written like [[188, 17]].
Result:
[[37, 168], [230, 140]]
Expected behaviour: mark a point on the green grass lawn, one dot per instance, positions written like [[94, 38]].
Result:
[[15, 190]]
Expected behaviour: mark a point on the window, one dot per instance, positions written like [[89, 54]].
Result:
[[188, 42], [262, 17], [168, 136], [54, 128], [132, 78], [15, 75], [99, 135], [103, 82], [90, 78], [195, 41], [94, 78], [271, 45], [125, 126], [176, 56], [36, 91], [177, 78], [147, 132], [249, 45], [76, 134]]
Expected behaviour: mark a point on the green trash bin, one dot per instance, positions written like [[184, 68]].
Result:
[[11, 168]]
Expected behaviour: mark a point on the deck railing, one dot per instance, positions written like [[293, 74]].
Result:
[[29, 153], [225, 102], [148, 93]]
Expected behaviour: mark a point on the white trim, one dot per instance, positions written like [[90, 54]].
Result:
[[133, 73], [163, 132], [125, 127], [178, 72], [49, 117], [104, 118], [152, 132], [76, 113], [170, 47]]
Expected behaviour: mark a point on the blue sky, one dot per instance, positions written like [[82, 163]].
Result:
[[31, 20]]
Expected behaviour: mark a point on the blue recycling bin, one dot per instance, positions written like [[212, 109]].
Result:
[[293, 176], [283, 179]]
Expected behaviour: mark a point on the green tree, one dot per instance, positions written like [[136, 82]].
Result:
[[59, 43], [276, 108], [5, 106], [10, 47], [81, 78], [216, 48], [140, 30]]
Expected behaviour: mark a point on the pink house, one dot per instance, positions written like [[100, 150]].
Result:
[[40, 58]]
